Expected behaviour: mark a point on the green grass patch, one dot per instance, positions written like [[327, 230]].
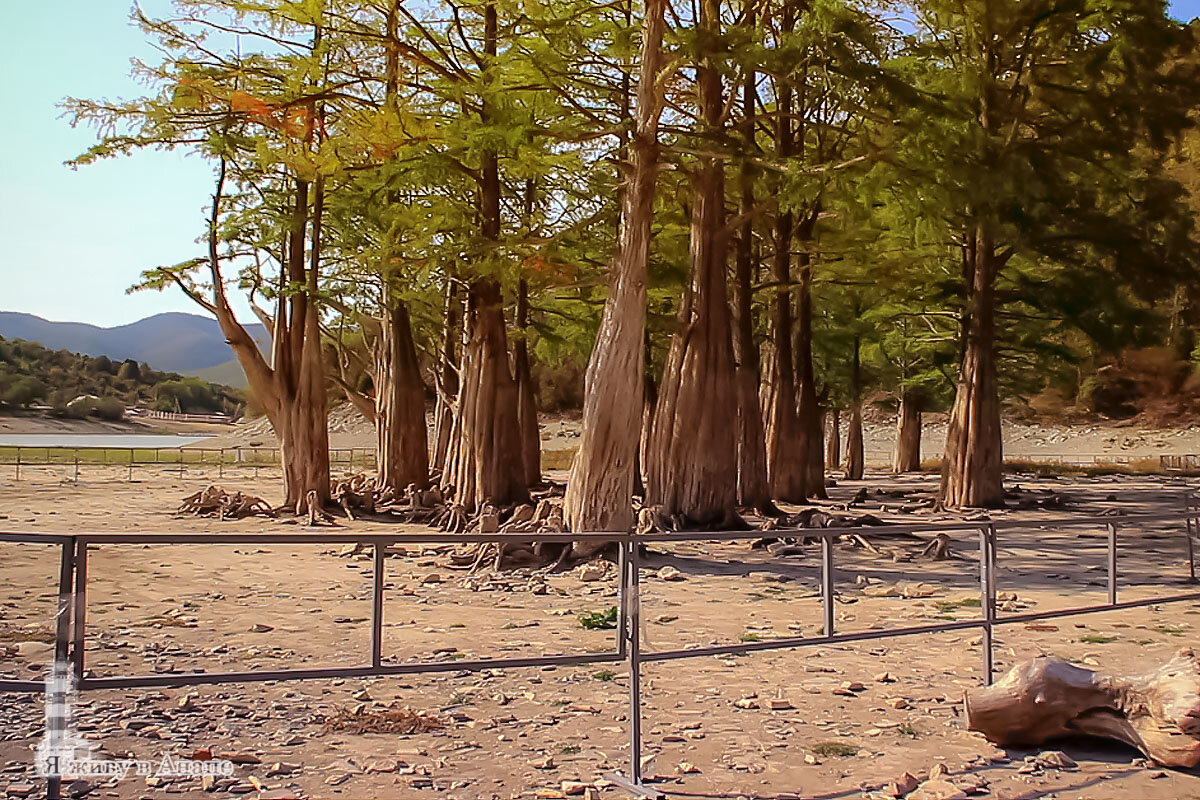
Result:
[[1170, 630], [946, 606], [1097, 638], [604, 675], [569, 749], [834, 749], [749, 637], [906, 729], [599, 620]]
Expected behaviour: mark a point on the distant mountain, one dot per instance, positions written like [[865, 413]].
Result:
[[172, 342]]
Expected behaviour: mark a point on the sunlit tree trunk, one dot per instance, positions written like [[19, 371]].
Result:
[[908, 433], [403, 448], [600, 487], [811, 442], [447, 376], [833, 441], [855, 455]]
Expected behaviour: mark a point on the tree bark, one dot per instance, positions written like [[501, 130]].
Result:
[[972, 467], [811, 441], [854, 439], [531, 442], [600, 487], [485, 464], [753, 489], [833, 443], [403, 448], [692, 457], [908, 434], [1157, 712], [447, 376]]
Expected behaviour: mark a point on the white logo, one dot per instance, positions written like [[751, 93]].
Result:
[[63, 753]]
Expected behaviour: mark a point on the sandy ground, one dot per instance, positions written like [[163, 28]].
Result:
[[521, 733], [1057, 442]]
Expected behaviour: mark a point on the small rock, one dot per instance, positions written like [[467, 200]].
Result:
[[19, 790], [902, 785], [488, 523], [590, 572], [687, 768], [258, 627], [208, 783], [571, 788], [938, 771], [1056, 759], [432, 577], [1158, 773], [669, 573], [746, 702], [778, 704], [361, 694], [544, 763], [884, 677], [937, 789]]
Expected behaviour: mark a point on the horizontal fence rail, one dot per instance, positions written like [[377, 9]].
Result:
[[171, 459], [71, 617]]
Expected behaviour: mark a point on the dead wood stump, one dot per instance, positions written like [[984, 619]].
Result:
[[1157, 712]]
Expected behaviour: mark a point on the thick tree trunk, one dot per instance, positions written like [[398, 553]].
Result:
[[854, 439], [600, 488], [753, 490], [811, 442], [1157, 712], [833, 442], [692, 457], [908, 434], [447, 377], [403, 448], [484, 464], [531, 442], [972, 467]]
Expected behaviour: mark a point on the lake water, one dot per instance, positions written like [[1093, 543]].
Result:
[[139, 440]]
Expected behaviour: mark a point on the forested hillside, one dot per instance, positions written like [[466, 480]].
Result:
[[78, 385]]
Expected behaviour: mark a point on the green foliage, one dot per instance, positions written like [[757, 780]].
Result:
[[79, 386], [599, 620]]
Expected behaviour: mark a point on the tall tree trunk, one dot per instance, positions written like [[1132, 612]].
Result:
[[753, 490], [485, 464], [908, 433], [972, 467], [854, 439], [811, 441], [447, 376], [692, 457], [786, 467], [403, 448], [833, 442], [531, 442], [600, 487]]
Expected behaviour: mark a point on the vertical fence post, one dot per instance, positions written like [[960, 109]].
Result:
[[18, 463], [79, 618], [827, 582], [377, 606], [1189, 522], [1112, 563], [986, 593], [76, 466], [62, 646], [632, 634], [623, 596]]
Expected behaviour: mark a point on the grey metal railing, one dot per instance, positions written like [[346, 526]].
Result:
[[71, 619]]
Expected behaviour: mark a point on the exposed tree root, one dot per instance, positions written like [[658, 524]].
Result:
[[216, 502]]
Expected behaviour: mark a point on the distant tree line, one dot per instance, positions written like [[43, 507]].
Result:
[[79, 386]]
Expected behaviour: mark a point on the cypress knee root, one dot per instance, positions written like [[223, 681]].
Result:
[[1157, 712]]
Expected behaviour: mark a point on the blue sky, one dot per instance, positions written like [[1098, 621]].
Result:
[[72, 241]]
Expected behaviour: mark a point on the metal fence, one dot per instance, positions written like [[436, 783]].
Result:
[[234, 460], [71, 620]]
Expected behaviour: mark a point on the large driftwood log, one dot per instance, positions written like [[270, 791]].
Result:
[[1157, 712]]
